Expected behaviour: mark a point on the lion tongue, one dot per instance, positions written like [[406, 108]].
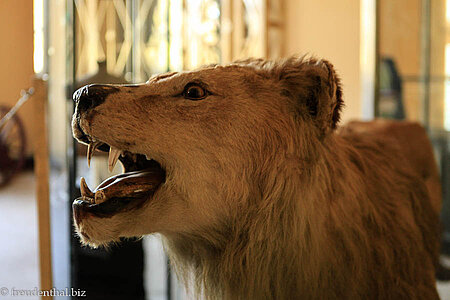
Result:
[[129, 185]]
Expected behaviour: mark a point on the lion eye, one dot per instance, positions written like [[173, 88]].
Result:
[[194, 92]]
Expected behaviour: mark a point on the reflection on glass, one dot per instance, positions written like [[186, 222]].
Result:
[[447, 85], [38, 20]]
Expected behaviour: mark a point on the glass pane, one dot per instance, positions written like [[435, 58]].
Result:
[[120, 41], [202, 33], [414, 72], [400, 66]]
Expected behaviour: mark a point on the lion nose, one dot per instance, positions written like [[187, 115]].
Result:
[[92, 95]]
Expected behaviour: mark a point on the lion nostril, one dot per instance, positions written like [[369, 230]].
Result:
[[92, 95], [79, 93], [82, 100]]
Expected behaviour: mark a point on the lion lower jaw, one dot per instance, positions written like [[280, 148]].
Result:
[[130, 185]]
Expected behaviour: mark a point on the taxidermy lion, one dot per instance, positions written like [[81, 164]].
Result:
[[257, 196]]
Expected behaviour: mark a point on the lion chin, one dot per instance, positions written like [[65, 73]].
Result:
[[240, 168]]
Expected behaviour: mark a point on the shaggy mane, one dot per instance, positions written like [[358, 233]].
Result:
[[317, 227], [318, 222]]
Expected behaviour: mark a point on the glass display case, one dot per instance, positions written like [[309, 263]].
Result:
[[413, 53], [127, 41]]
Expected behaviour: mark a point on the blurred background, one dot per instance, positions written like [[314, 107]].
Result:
[[393, 58]]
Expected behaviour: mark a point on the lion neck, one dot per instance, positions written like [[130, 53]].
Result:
[[257, 259], [276, 246], [257, 255]]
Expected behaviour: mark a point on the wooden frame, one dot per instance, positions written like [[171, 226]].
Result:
[[41, 171]]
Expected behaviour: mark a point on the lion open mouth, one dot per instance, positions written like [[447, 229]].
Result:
[[125, 191]]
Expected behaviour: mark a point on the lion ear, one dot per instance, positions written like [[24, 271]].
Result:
[[316, 88]]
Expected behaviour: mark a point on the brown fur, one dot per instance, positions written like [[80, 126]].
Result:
[[263, 200]]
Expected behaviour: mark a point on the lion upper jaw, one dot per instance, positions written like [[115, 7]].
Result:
[[113, 156]]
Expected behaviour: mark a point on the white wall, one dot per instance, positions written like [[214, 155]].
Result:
[[329, 29]]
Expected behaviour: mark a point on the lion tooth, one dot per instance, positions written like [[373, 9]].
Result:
[[114, 154], [85, 191], [148, 157], [90, 151]]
